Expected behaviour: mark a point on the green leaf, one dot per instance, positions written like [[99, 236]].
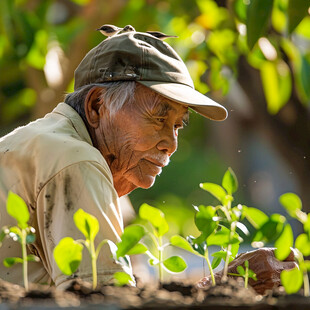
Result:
[[32, 258], [68, 255], [122, 278], [137, 249], [204, 220], [131, 236], [175, 264], [291, 280], [255, 216], [215, 262], [17, 208], [241, 270], [230, 182], [156, 217], [183, 244], [86, 223], [277, 84], [284, 243], [258, 15], [297, 10], [218, 256], [216, 190], [222, 238], [11, 261], [302, 243], [291, 202]]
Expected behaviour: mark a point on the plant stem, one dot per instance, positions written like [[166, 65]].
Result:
[[93, 263], [246, 277], [228, 250], [210, 267], [160, 258], [25, 262], [306, 283]]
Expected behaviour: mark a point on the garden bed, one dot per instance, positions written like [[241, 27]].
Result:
[[229, 295]]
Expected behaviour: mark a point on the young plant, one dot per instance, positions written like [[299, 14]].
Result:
[[23, 233], [228, 218], [131, 241], [68, 252], [245, 272], [293, 279]]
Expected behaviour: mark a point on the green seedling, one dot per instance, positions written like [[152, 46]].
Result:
[[134, 236], [229, 219], [22, 233], [293, 279], [68, 252], [245, 272]]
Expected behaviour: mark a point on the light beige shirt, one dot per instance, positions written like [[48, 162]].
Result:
[[52, 164]]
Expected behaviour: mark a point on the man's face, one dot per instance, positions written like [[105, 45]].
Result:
[[140, 138]]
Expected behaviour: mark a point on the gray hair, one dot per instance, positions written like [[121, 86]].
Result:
[[114, 94]]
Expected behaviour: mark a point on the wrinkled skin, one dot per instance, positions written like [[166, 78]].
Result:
[[138, 140], [263, 263]]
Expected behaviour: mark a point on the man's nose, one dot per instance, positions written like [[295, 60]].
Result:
[[168, 142]]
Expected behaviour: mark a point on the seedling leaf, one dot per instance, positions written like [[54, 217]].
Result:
[[302, 243], [183, 244], [241, 270], [11, 261], [175, 264], [17, 208], [292, 280], [215, 262], [86, 223], [155, 217], [216, 190], [284, 243], [291, 202], [204, 220], [230, 182], [122, 278], [256, 217], [137, 249], [32, 258], [131, 236], [68, 255]]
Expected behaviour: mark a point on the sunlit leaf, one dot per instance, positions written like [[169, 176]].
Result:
[[241, 270], [297, 10], [284, 243], [17, 208], [86, 223], [175, 264], [230, 182], [291, 202], [216, 190], [130, 238], [68, 255], [255, 216], [291, 280], [240, 10], [11, 261], [122, 278], [215, 262], [204, 220], [156, 217], [182, 243], [258, 15], [302, 243]]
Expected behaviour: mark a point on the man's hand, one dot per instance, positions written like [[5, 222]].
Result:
[[263, 263]]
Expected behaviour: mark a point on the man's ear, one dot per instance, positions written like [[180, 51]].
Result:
[[92, 105]]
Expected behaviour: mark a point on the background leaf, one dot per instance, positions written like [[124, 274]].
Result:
[[216, 190], [122, 278], [297, 10], [302, 243], [11, 261], [284, 243], [258, 14]]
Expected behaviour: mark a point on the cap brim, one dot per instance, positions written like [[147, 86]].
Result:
[[186, 95]]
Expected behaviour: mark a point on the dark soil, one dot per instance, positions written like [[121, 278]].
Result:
[[229, 295]]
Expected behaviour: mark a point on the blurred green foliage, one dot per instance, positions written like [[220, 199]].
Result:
[[272, 35]]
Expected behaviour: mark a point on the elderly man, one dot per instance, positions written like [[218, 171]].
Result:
[[113, 134]]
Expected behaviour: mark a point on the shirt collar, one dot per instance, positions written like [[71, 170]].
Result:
[[76, 120]]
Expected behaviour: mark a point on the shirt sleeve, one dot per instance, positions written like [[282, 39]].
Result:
[[89, 186]]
